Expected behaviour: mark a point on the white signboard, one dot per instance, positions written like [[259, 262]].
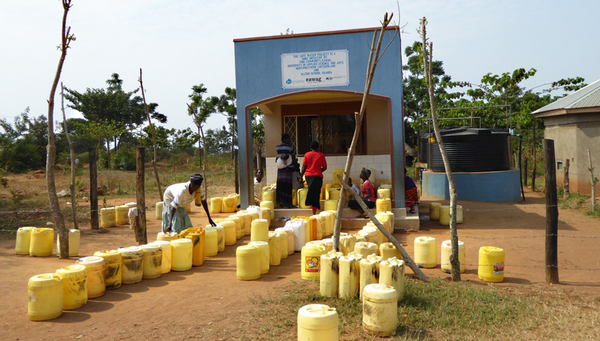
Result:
[[314, 69]]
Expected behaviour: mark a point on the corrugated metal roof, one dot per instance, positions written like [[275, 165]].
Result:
[[587, 97]]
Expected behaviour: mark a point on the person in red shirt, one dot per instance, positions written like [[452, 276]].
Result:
[[313, 166], [368, 194]]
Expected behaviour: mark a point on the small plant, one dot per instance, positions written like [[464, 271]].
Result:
[[16, 196], [3, 181]]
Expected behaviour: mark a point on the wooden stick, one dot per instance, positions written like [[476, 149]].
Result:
[[551, 213], [593, 181], [141, 236], [411, 264]]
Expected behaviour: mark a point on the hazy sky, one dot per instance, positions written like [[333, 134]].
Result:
[[180, 43]]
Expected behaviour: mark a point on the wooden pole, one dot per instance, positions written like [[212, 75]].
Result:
[[155, 160], [358, 117], [140, 233], [93, 190], [409, 262], [551, 213], [593, 181], [525, 174], [566, 191]]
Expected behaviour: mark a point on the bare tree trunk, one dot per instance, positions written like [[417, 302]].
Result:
[[534, 158], [566, 191], [525, 173], [59, 222], [72, 153], [154, 161], [372, 64], [107, 153], [93, 190], [454, 260], [140, 233], [593, 181]]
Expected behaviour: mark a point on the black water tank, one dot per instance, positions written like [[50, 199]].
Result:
[[472, 150]]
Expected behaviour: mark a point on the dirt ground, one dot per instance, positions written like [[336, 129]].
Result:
[[208, 302]]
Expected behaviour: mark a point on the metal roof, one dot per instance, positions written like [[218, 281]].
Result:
[[587, 97]]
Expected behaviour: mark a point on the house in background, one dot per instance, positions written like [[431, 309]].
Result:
[[310, 86], [573, 122]]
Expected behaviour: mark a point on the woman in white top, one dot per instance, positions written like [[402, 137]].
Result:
[[176, 198]]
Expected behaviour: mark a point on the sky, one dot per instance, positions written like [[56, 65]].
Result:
[[181, 43]]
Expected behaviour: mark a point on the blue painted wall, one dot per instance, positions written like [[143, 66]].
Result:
[[502, 186], [258, 78]]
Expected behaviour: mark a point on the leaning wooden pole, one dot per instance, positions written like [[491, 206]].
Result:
[[72, 154], [593, 181], [428, 60], [409, 262], [155, 160], [372, 64], [551, 213], [140, 191]]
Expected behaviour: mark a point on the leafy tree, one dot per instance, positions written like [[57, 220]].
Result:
[[110, 105], [217, 141]]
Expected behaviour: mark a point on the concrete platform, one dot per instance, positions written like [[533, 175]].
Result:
[[403, 220]]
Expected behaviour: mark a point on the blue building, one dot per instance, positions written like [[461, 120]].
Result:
[[310, 86]]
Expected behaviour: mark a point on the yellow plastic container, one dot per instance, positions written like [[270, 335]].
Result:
[[216, 205], [167, 236], [335, 174], [45, 297], [108, 217], [229, 204], [334, 194], [121, 215], [347, 243], [447, 252], [220, 236], [329, 221], [384, 193], [113, 272], [74, 237], [380, 310], [41, 242], [247, 259], [383, 205], [198, 250], [491, 264], [330, 273], [133, 267], [239, 225], [152, 261], [166, 249], [365, 248], [290, 239], [330, 205], [96, 286], [317, 322], [264, 251], [369, 274], [182, 254], [445, 215], [74, 286], [434, 211], [311, 261], [301, 193], [373, 233], [270, 205], [188, 208], [388, 250], [274, 249], [198, 198], [391, 272], [23, 240], [425, 252], [259, 230], [247, 221], [211, 242], [283, 241], [315, 227], [265, 213], [230, 232], [268, 196], [158, 208], [349, 279]]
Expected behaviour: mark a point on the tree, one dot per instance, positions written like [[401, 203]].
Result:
[[113, 105], [59, 222], [201, 109], [226, 105], [258, 135]]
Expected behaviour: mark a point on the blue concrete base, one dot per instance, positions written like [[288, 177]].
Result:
[[502, 186]]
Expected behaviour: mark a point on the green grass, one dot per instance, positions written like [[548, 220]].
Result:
[[438, 310]]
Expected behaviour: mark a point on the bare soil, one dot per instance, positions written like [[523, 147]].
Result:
[[209, 302]]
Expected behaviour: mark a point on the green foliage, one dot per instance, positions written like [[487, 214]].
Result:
[[125, 159], [3, 181]]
